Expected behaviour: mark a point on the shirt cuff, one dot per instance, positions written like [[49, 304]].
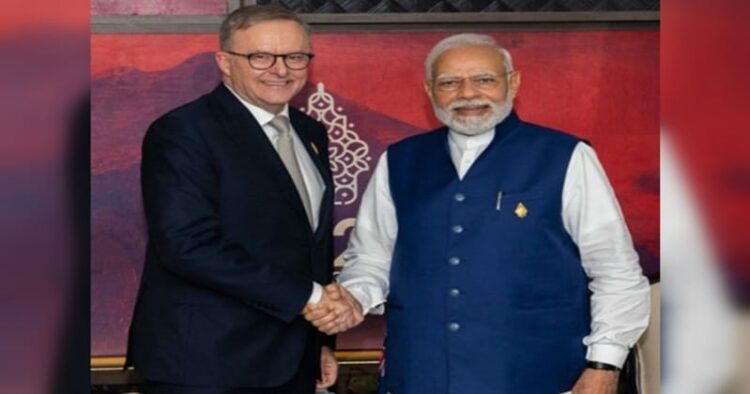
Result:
[[607, 353], [316, 295], [364, 300], [378, 309]]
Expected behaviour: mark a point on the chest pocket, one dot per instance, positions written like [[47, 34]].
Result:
[[521, 207], [528, 246], [520, 222]]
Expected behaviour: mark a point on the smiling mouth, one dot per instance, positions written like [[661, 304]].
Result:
[[277, 83], [471, 109]]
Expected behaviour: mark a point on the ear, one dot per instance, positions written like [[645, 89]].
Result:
[[515, 82], [428, 90], [224, 63]]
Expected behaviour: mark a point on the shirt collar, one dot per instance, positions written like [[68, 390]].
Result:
[[464, 142], [260, 114]]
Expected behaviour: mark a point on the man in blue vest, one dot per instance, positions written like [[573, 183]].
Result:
[[496, 247]]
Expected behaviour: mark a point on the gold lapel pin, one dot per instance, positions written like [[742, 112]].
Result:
[[521, 211], [314, 148]]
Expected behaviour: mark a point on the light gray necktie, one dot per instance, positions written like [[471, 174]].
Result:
[[285, 147]]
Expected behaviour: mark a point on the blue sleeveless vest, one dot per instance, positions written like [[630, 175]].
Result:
[[487, 292]]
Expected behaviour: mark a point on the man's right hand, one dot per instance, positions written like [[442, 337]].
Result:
[[336, 312]]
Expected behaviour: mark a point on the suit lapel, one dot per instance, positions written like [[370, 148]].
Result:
[[245, 131], [320, 158], [312, 147]]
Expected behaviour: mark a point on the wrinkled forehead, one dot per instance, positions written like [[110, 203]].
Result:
[[468, 61], [272, 33], [474, 75]]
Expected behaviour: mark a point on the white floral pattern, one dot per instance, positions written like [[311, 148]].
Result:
[[349, 154]]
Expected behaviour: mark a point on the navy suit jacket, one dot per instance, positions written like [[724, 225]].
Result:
[[231, 256]]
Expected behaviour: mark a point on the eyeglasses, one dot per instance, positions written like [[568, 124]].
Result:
[[264, 60], [480, 82]]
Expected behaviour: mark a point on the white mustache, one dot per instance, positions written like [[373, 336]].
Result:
[[468, 103]]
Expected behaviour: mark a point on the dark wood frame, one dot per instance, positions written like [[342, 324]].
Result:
[[394, 22]]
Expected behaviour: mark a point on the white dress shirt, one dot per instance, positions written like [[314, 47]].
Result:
[[310, 175], [590, 213]]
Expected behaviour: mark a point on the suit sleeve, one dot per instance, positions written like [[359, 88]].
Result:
[[180, 189]]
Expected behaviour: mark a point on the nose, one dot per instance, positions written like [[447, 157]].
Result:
[[279, 68], [467, 90]]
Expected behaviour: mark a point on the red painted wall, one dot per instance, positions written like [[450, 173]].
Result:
[[159, 7], [600, 85]]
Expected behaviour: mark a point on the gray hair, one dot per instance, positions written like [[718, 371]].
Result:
[[245, 17], [464, 40]]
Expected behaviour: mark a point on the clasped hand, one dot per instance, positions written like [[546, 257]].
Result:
[[336, 312]]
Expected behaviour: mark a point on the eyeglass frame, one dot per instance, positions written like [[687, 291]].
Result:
[[471, 79], [283, 56]]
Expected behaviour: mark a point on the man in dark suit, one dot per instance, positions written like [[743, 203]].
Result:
[[237, 192]]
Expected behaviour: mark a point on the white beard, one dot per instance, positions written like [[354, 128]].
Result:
[[474, 125]]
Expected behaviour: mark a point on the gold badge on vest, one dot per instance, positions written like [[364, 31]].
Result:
[[521, 211]]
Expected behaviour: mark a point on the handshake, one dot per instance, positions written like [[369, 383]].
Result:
[[337, 310]]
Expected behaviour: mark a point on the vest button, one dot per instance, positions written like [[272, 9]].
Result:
[[459, 197], [454, 292], [454, 261], [454, 326], [458, 229]]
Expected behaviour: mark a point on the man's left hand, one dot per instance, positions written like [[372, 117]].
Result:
[[329, 368], [593, 381]]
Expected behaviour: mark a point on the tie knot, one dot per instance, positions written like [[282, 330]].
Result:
[[281, 124]]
